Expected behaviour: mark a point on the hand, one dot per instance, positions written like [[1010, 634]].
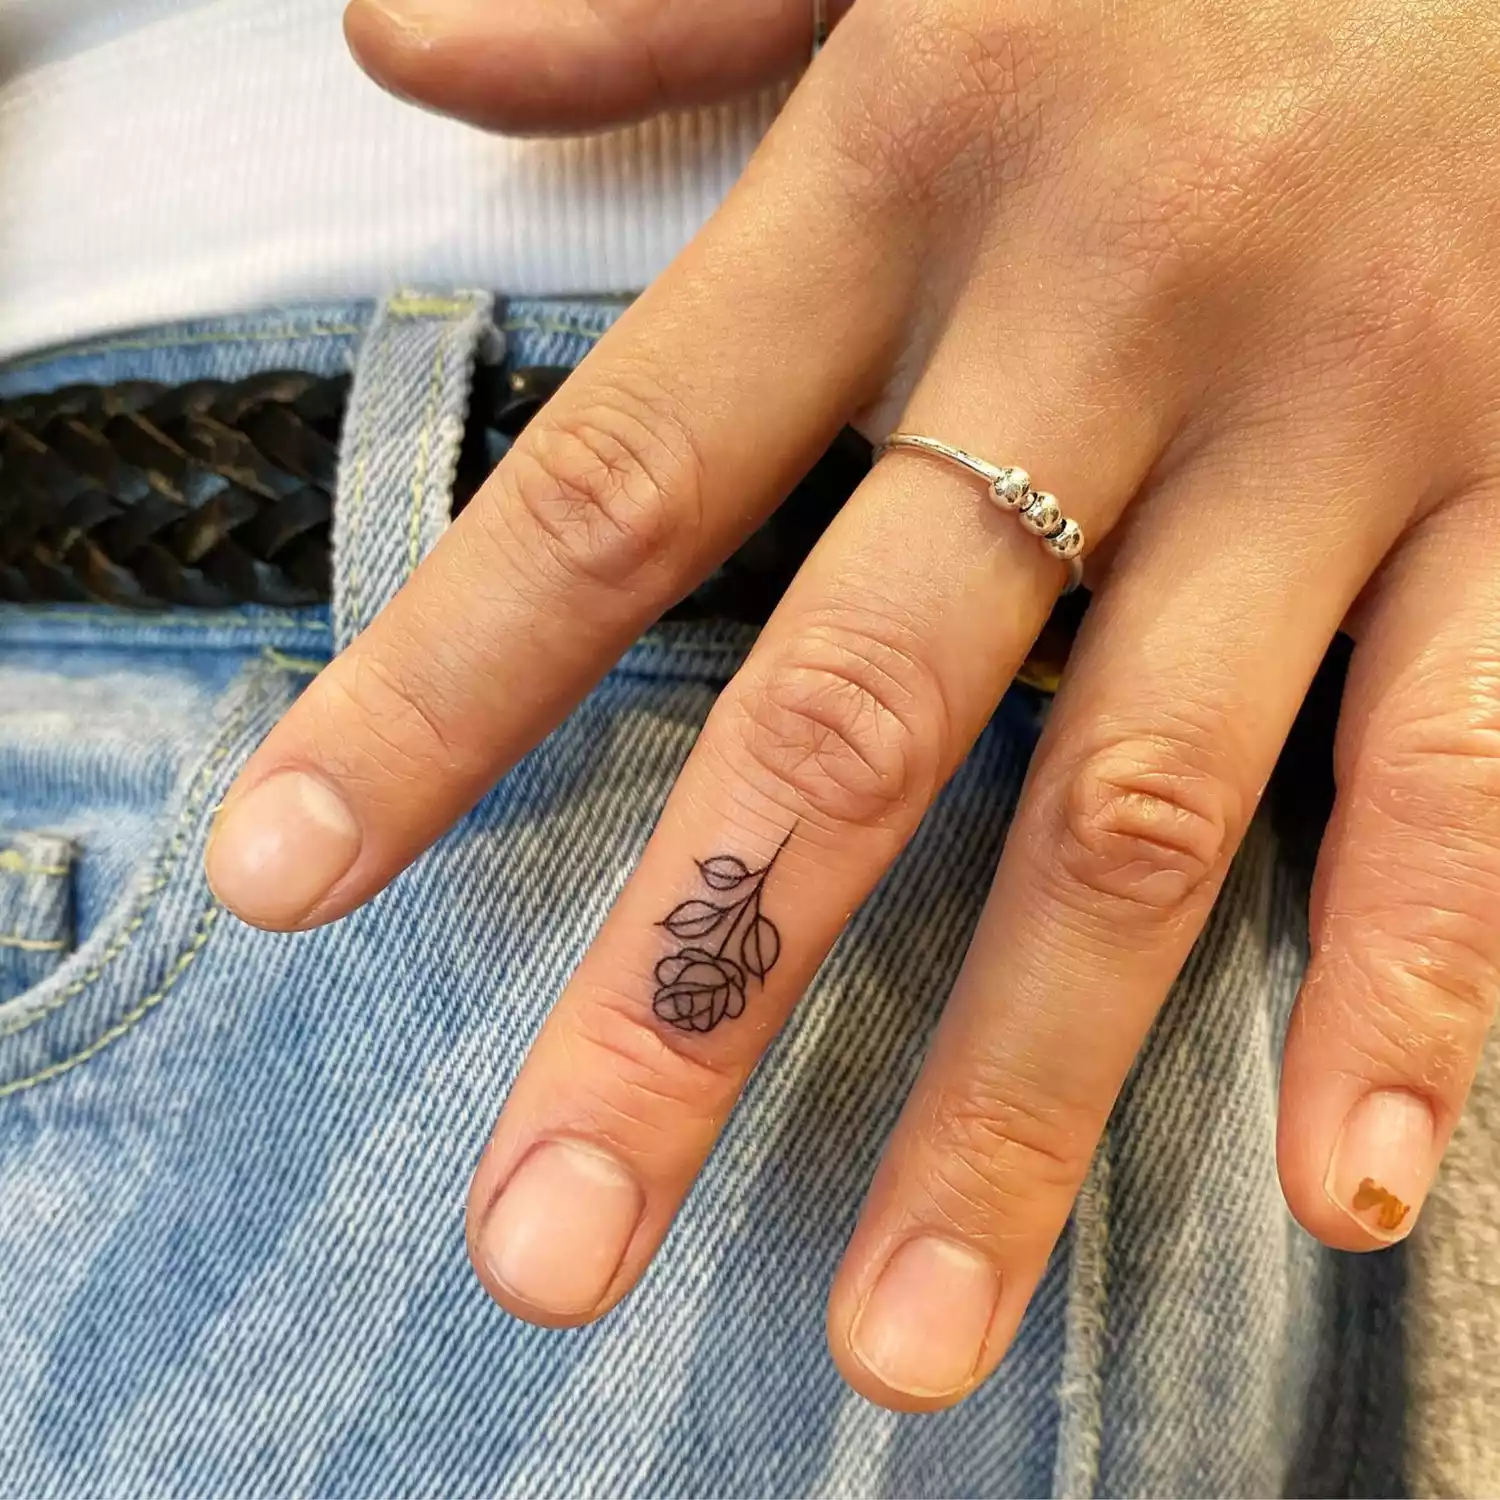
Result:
[[1223, 278]]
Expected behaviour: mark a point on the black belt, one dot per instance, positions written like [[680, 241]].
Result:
[[217, 493]]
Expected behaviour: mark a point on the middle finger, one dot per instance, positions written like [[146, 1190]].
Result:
[[868, 686]]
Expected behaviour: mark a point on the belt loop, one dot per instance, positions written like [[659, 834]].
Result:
[[400, 444]]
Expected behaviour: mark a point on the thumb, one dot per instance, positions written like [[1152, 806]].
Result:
[[562, 65]]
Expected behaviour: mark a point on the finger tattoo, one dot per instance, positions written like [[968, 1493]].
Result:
[[726, 944]]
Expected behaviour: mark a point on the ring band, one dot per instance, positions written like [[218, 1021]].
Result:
[[1010, 488]]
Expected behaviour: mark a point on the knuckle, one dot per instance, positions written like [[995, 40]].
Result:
[[1424, 764], [1144, 824], [1407, 915], [610, 495], [1183, 199], [1173, 205], [848, 722], [1390, 331], [996, 1149]]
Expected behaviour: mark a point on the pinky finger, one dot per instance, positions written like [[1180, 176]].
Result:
[[1405, 974]]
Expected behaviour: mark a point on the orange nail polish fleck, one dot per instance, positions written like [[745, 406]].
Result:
[[1391, 1132], [1389, 1209]]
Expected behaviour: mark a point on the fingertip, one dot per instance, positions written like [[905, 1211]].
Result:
[[567, 66], [278, 848], [550, 1242], [512, 72], [919, 1331], [381, 43], [420, 62], [1355, 1160]]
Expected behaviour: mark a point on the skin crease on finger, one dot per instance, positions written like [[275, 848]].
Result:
[[1293, 209]]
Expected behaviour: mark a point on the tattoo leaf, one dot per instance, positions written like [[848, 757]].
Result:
[[760, 947], [694, 919], [724, 872]]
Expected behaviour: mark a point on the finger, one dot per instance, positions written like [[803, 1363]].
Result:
[[1180, 691], [576, 64], [685, 426], [884, 660], [1406, 912]]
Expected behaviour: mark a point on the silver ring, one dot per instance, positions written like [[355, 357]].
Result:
[[1009, 488], [820, 25]]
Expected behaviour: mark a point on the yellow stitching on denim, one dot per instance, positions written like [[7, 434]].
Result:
[[424, 446], [132, 1017], [354, 614], [416, 305], [32, 945], [207, 619], [271, 335], [13, 862], [192, 805], [553, 325], [183, 341], [308, 664]]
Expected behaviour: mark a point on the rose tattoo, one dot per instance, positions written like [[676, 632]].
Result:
[[699, 985]]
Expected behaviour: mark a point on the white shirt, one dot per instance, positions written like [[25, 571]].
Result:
[[163, 159]]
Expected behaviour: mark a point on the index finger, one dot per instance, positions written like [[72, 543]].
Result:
[[687, 424]]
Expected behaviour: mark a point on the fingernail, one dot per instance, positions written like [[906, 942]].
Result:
[[556, 1235], [275, 852], [923, 1328], [1382, 1163]]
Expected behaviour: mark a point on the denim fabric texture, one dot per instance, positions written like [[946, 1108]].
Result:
[[36, 908], [233, 1164]]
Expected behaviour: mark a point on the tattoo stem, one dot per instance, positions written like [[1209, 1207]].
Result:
[[754, 895]]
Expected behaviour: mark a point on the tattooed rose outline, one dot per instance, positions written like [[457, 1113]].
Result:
[[697, 989], [699, 986]]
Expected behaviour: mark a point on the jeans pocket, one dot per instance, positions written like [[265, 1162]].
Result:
[[80, 1000]]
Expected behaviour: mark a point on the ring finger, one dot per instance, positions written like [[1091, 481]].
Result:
[[869, 684]]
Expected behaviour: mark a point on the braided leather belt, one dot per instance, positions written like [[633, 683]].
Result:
[[214, 493]]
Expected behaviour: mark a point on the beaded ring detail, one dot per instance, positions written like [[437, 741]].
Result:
[[1010, 488]]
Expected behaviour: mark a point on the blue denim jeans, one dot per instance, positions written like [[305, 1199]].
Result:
[[233, 1164]]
